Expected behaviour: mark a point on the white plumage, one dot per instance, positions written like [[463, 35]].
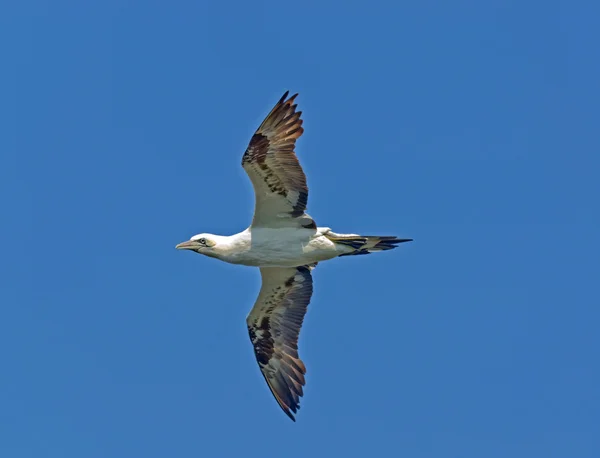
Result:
[[284, 241]]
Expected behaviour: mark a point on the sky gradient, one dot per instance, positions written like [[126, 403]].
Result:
[[471, 127]]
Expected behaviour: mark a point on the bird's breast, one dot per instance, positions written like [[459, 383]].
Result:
[[283, 248]]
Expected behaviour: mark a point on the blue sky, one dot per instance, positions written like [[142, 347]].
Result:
[[471, 127]]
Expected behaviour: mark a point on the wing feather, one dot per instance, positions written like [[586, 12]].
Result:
[[279, 182], [274, 326]]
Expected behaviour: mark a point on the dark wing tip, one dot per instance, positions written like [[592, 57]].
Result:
[[287, 409], [282, 124], [283, 97], [292, 98], [284, 100], [289, 414]]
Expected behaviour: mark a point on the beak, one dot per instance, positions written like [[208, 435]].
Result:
[[189, 245]]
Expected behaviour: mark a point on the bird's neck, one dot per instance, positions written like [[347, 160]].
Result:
[[228, 244]]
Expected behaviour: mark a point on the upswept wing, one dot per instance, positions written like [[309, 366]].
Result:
[[278, 179]]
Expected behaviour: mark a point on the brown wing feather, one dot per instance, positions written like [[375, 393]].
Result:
[[274, 325], [270, 162]]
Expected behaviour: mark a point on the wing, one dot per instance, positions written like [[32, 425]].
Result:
[[278, 179], [274, 324]]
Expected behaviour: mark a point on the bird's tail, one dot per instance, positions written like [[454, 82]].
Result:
[[365, 244]]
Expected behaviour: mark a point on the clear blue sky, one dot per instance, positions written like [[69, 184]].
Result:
[[470, 126]]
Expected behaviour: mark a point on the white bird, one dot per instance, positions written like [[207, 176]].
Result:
[[286, 244]]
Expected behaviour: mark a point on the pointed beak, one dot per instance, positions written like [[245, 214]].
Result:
[[189, 245]]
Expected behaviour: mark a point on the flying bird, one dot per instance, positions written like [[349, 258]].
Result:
[[286, 244]]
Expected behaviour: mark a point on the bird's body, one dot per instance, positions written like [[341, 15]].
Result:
[[282, 247], [286, 244]]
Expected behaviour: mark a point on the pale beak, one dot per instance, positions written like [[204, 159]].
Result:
[[189, 245]]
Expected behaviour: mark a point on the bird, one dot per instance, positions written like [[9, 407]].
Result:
[[286, 244]]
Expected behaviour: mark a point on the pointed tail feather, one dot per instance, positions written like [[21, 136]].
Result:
[[365, 244]]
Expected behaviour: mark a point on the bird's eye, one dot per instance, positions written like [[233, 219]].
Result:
[[202, 241]]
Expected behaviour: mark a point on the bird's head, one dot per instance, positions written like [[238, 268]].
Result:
[[201, 243]]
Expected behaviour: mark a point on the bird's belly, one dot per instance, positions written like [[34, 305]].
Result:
[[286, 253]]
